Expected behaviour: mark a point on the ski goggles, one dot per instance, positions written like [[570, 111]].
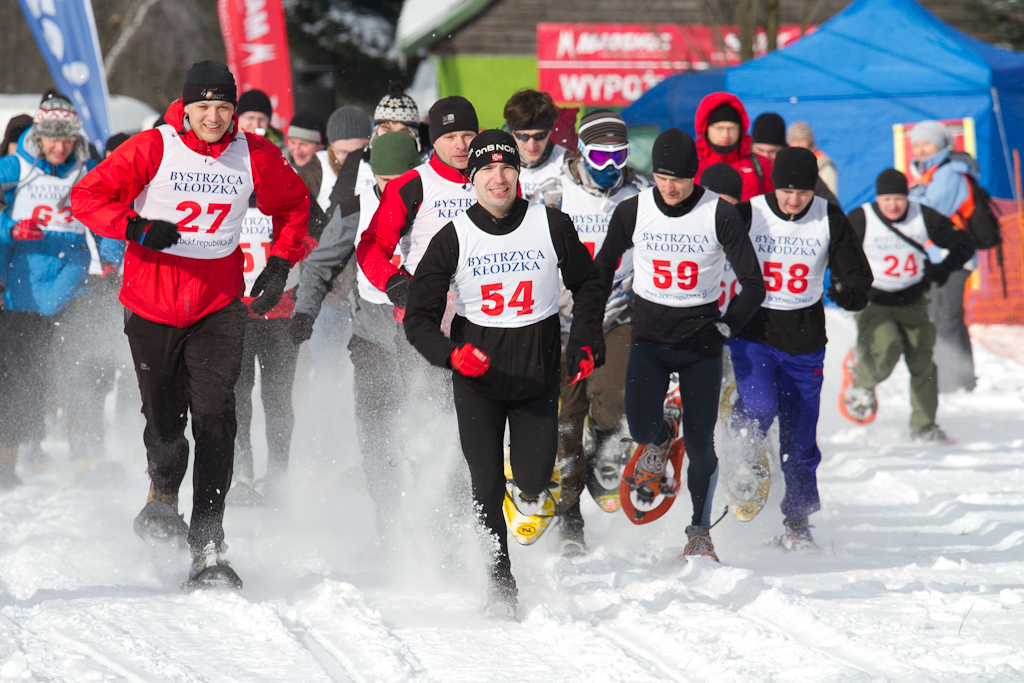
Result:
[[524, 137], [600, 157]]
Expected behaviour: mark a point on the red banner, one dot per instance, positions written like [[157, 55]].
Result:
[[614, 64], [257, 48]]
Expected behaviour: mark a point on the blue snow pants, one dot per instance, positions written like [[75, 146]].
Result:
[[700, 380], [772, 383]]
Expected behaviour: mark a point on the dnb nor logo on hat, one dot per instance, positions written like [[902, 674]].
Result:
[[447, 118]]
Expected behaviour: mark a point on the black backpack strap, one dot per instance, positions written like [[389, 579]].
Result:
[[887, 223], [757, 167]]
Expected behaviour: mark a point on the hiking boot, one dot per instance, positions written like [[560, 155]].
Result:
[[861, 404], [649, 474], [700, 542], [571, 529], [798, 535], [161, 497], [930, 434]]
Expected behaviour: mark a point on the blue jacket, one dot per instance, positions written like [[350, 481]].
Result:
[[948, 188], [45, 275]]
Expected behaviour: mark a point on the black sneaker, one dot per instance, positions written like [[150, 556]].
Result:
[[571, 529]]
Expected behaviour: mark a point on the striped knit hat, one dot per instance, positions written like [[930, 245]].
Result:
[[603, 127], [57, 117], [399, 107]]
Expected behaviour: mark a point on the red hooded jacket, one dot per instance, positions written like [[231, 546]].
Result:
[[177, 290], [741, 158]]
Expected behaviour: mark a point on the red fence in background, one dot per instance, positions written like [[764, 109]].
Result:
[[984, 299]]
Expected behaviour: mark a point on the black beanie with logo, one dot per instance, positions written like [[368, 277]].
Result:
[[451, 115], [795, 168], [209, 81], [492, 147]]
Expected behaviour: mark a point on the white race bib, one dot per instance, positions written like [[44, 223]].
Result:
[[895, 264], [256, 241], [793, 254], [45, 198], [507, 280], [207, 198]]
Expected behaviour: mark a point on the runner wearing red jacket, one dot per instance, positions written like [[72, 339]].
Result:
[[178, 195], [722, 137]]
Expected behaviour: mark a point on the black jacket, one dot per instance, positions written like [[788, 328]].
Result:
[[941, 231], [803, 330], [678, 327], [525, 361]]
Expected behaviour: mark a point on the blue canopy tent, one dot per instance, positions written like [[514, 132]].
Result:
[[882, 62], [673, 102]]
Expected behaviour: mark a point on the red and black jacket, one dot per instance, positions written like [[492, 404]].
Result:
[[176, 290], [755, 170]]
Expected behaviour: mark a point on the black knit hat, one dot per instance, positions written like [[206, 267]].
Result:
[[451, 115], [115, 141], [724, 112], [769, 129], [722, 179], [15, 127], [675, 154], [255, 100], [490, 147], [891, 181], [795, 168], [209, 81]]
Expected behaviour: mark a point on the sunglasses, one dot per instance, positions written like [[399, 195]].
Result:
[[600, 159], [523, 137]]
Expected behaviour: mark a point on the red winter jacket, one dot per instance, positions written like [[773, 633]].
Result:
[[399, 204], [741, 158], [177, 290]]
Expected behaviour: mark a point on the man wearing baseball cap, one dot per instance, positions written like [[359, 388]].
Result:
[[504, 346], [178, 195], [778, 356]]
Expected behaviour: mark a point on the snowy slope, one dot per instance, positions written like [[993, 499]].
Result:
[[920, 578]]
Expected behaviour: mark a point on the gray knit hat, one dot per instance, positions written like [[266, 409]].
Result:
[[931, 131], [399, 107], [347, 123]]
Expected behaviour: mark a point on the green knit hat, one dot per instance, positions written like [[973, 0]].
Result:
[[393, 153]]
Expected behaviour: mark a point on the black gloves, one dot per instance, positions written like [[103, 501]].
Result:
[[398, 289], [936, 272], [580, 361], [708, 342], [155, 235], [302, 327], [269, 286], [843, 296]]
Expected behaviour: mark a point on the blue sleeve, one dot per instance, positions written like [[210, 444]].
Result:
[[947, 191], [110, 250], [10, 173]]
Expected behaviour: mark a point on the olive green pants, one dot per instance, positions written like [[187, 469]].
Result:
[[884, 333], [602, 395]]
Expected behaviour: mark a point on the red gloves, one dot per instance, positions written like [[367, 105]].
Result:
[[470, 361], [28, 229], [583, 365]]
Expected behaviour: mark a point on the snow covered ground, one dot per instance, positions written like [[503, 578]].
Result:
[[920, 576]]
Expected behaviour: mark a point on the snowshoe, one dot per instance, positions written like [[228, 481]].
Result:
[[528, 519], [160, 522], [210, 572], [243, 494], [857, 404], [798, 536], [748, 473], [651, 481], [606, 459]]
